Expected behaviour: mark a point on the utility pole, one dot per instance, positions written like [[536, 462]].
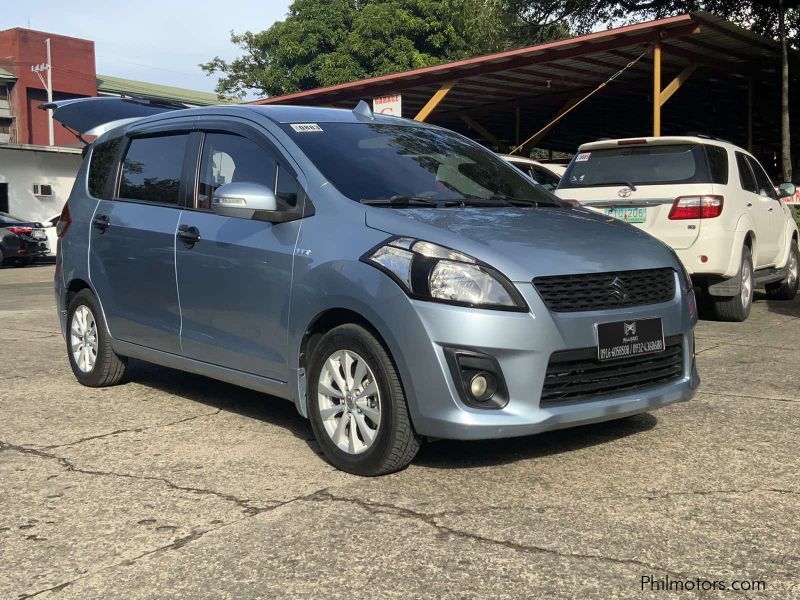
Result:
[[48, 85]]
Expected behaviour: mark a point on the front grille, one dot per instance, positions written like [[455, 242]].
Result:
[[604, 291], [575, 375]]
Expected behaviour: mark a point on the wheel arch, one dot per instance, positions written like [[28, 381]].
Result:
[[328, 319]]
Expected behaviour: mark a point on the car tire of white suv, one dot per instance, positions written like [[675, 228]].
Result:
[[737, 308], [787, 289]]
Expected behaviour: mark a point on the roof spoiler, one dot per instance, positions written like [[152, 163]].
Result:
[[95, 116]]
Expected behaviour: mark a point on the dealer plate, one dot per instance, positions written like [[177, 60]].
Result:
[[626, 339], [629, 215]]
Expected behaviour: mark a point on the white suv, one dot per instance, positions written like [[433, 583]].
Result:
[[710, 200]]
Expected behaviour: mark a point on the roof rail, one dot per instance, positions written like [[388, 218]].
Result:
[[706, 136]]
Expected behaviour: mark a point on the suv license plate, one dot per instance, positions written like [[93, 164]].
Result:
[[625, 339], [39, 234], [629, 215]]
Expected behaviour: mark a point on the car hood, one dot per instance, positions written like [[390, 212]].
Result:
[[530, 242]]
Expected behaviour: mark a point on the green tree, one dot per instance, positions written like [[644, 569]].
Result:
[[325, 42]]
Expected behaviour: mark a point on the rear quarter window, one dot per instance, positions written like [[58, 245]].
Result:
[[718, 164], [103, 161]]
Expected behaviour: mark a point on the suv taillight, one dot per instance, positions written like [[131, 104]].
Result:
[[20, 230], [696, 207], [64, 221]]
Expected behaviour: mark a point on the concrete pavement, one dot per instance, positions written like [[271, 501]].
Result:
[[175, 486]]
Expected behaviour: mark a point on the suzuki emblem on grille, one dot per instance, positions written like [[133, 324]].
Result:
[[630, 328], [617, 289], [624, 192]]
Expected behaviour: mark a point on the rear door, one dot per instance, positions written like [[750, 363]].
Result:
[[761, 207], [639, 183], [132, 253], [235, 280], [776, 220]]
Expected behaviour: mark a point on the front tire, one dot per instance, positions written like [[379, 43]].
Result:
[[737, 308], [357, 406], [787, 289], [93, 361]]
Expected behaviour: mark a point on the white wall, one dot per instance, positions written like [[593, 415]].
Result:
[[21, 168]]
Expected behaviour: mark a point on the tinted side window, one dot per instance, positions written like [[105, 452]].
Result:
[[764, 185], [152, 169], [102, 159], [718, 164], [229, 158], [745, 175], [545, 177]]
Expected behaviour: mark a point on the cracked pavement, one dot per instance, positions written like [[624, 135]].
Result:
[[176, 486]]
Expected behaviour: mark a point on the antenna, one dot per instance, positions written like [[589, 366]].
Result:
[[362, 109]]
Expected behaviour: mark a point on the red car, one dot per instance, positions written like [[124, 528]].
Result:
[[21, 241]]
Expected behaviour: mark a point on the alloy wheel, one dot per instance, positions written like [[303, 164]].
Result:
[[747, 285], [83, 338], [349, 401], [792, 279]]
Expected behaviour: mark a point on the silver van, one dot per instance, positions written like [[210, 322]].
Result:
[[395, 280]]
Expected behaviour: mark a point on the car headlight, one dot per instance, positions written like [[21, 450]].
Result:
[[427, 271]]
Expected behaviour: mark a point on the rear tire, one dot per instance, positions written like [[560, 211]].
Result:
[[737, 308], [366, 429], [787, 289], [93, 361]]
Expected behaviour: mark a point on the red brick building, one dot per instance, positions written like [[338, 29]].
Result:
[[73, 76]]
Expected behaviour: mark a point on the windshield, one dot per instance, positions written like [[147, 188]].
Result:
[[638, 165], [377, 161]]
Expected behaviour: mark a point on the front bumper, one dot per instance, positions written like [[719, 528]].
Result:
[[522, 344]]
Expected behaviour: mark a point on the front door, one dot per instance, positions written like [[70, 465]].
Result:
[[132, 257], [235, 280]]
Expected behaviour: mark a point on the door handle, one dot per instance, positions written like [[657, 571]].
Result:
[[189, 234], [101, 222]]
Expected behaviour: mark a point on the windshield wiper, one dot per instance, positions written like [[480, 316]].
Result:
[[494, 200], [513, 201], [400, 201], [620, 182]]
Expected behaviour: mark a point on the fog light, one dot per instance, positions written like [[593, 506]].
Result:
[[482, 386]]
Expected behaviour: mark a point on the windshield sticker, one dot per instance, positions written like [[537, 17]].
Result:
[[305, 127], [583, 156]]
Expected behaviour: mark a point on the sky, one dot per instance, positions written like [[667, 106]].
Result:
[[159, 41]]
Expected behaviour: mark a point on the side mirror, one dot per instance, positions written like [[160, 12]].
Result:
[[243, 200], [787, 189]]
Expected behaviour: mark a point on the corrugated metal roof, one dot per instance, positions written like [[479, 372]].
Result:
[[532, 84], [107, 84]]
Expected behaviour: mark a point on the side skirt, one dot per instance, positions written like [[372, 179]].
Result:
[[173, 361]]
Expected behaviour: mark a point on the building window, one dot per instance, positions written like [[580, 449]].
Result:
[[42, 189], [3, 91], [5, 125]]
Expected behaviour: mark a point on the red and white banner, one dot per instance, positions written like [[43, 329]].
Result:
[[388, 105]]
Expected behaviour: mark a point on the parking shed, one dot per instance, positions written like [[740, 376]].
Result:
[[693, 73]]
